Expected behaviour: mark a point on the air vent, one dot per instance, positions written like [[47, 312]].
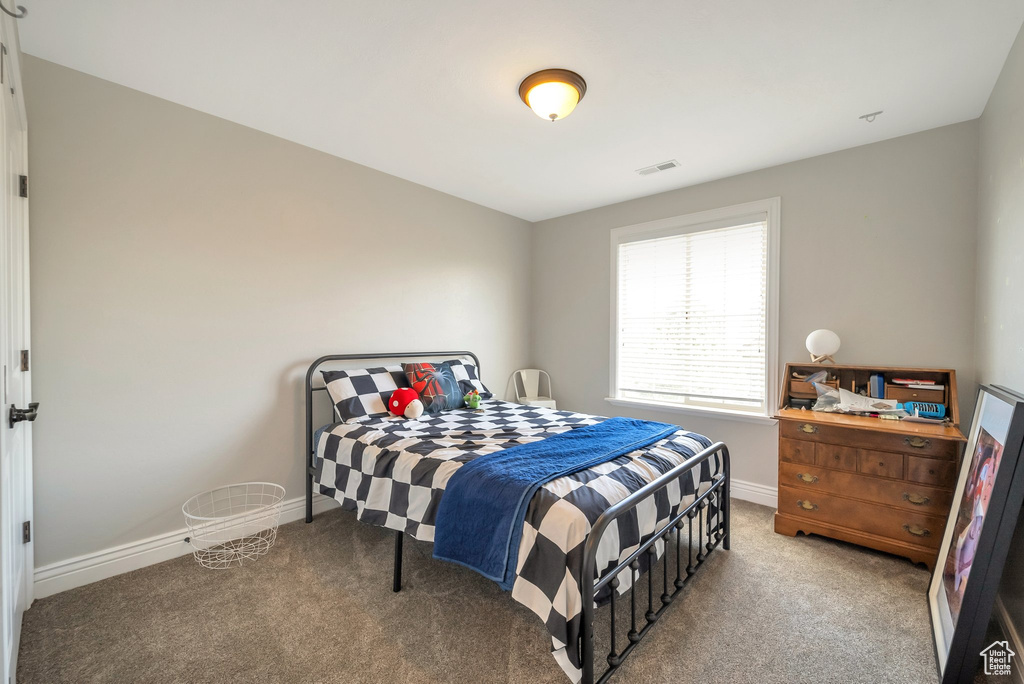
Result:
[[663, 166]]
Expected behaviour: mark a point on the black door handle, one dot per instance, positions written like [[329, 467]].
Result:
[[17, 415]]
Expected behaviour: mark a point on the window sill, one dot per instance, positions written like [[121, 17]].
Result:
[[721, 414]]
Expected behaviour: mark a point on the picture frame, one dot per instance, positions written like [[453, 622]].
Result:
[[986, 503]]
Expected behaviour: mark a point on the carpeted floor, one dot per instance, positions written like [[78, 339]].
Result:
[[319, 608]]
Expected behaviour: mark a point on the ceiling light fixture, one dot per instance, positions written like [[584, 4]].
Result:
[[870, 118], [553, 93]]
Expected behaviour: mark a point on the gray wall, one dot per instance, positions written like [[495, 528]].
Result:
[[186, 270], [893, 217], [1000, 315], [220, 260]]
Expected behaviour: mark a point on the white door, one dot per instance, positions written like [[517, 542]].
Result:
[[15, 440]]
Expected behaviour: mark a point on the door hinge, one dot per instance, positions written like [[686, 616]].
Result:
[[24, 359], [23, 186], [26, 532]]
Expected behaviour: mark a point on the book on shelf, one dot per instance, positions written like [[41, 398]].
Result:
[[876, 386], [911, 381]]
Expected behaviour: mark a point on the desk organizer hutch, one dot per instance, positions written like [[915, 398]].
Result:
[[884, 484]]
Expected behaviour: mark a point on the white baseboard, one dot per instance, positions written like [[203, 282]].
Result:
[[1014, 637], [756, 493], [92, 567]]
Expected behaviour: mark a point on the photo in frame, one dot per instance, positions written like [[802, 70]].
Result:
[[987, 500]]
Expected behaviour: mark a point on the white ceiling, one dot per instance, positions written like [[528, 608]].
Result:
[[427, 90]]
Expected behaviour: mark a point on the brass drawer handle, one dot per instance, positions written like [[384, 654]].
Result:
[[808, 428], [917, 442], [809, 479], [917, 531], [807, 505], [916, 499]]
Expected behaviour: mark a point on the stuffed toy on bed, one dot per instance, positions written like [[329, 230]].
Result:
[[406, 402]]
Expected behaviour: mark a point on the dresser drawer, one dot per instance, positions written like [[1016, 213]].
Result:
[[795, 451], [903, 525], [926, 446], [806, 390], [835, 456], [793, 429], [938, 472], [903, 394], [868, 439], [909, 495], [880, 463]]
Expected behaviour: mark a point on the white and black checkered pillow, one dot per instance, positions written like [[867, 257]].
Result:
[[468, 377], [363, 392]]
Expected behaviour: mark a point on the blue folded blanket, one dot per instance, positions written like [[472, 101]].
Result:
[[480, 518]]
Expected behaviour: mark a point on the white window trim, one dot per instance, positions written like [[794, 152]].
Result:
[[772, 209]]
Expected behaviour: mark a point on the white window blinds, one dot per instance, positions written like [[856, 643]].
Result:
[[692, 317]]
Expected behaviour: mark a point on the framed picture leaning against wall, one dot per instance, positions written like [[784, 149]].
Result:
[[986, 502]]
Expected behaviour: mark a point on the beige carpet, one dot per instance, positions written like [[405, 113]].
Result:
[[319, 608]]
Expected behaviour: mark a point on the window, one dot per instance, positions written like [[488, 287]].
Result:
[[694, 310]]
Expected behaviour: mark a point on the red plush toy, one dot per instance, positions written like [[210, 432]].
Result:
[[405, 402]]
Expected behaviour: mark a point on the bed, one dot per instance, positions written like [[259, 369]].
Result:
[[588, 538]]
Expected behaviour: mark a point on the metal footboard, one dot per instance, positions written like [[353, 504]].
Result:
[[712, 504]]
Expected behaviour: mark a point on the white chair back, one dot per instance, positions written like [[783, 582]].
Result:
[[527, 383]]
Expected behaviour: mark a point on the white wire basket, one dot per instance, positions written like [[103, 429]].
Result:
[[232, 524]]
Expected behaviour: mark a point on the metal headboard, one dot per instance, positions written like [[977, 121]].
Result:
[[309, 458]]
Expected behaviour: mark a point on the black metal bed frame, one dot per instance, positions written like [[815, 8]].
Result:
[[712, 503]]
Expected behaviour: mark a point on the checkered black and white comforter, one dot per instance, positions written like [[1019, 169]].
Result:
[[393, 473]]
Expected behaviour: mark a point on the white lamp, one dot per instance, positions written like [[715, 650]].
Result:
[[822, 344]]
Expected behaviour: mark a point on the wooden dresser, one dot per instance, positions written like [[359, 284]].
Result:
[[879, 483]]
